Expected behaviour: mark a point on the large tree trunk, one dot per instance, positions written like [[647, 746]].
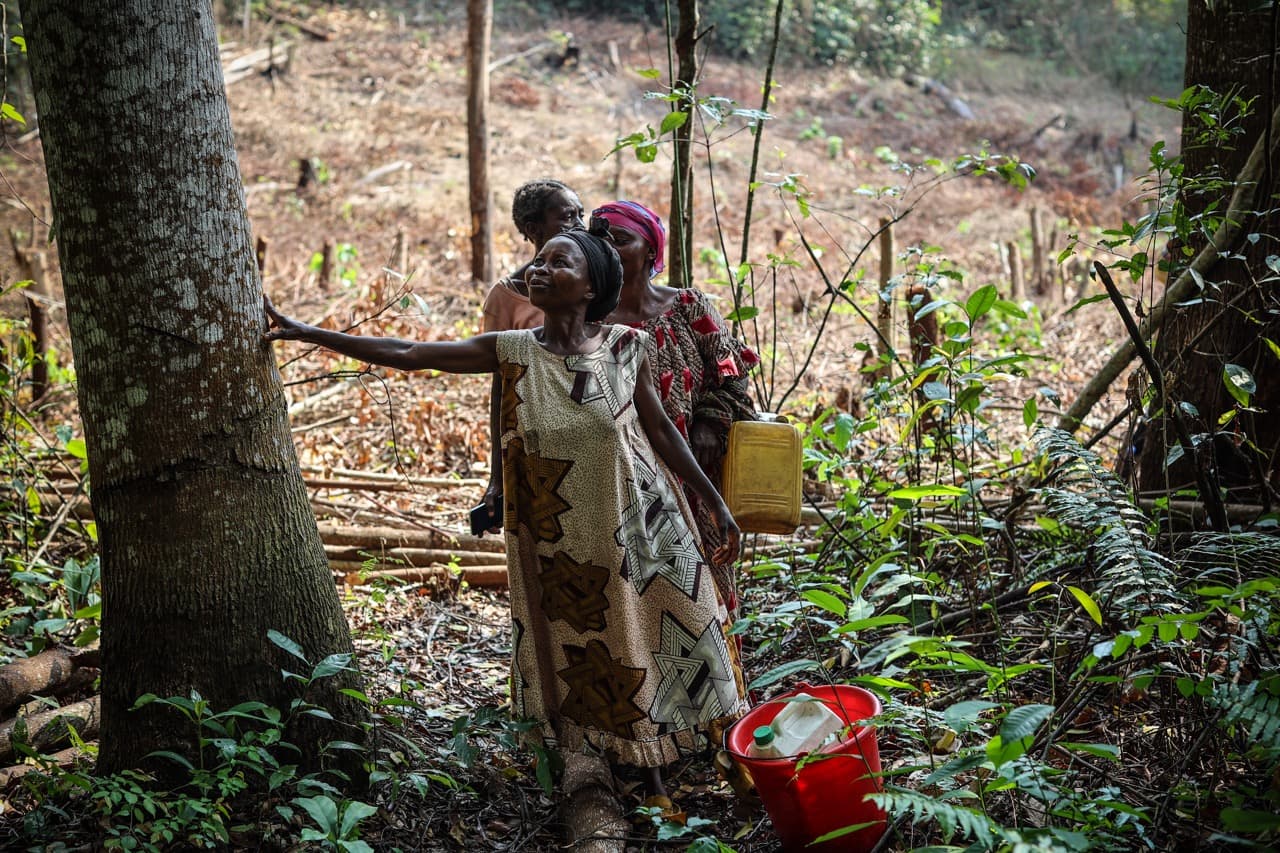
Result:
[[479, 26], [1230, 49], [206, 535]]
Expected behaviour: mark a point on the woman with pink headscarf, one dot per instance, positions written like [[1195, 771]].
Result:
[[699, 368]]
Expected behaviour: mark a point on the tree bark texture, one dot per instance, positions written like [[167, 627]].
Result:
[[1230, 48], [207, 538], [680, 250], [479, 29]]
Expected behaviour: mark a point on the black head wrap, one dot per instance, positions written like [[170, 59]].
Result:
[[604, 268]]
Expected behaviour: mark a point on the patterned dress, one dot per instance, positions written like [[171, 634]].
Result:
[[618, 645], [700, 371]]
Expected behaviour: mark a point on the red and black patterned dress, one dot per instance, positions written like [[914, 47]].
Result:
[[701, 373], [618, 642]]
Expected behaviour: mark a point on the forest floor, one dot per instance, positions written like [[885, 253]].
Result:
[[378, 111]]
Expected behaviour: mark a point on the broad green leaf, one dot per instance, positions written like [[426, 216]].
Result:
[[355, 847], [962, 716], [742, 314], [936, 391], [332, 665], [343, 745], [778, 673], [673, 120], [8, 111], [980, 302], [871, 622], [355, 812], [1249, 820], [1088, 300], [1030, 411], [915, 493], [174, 757], [356, 694], [1102, 750], [1022, 721], [93, 611], [843, 428], [1239, 382], [1001, 752], [825, 600], [288, 645], [323, 810], [649, 73], [1086, 601], [1010, 309]]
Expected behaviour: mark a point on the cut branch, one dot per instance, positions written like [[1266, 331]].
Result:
[[1243, 202]]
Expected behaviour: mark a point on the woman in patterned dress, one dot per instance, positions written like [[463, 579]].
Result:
[[699, 367], [618, 643], [540, 209]]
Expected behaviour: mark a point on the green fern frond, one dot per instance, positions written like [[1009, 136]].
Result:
[[1089, 498], [1253, 554], [1253, 709], [950, 817]]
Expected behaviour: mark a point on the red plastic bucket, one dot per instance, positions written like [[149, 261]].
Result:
[[828, 792]]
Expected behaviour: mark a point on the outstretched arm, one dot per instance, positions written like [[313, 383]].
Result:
[[475, 355], [493, 492], [670, 445]]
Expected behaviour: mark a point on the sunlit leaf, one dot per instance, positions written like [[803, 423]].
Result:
[[980, 302], [673, 120], [825, 600], [1239, 382], [915, 493], [1086, 601]]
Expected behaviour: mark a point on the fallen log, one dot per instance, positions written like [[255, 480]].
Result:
[[394, 477], [316, 32], [273, 56], [66, 759], [403, 484], [40, 673], [373, 538], [410, 557], [1196, 514], [49, 729], [493, 576]]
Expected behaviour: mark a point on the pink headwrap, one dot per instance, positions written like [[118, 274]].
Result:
[[634, 216]]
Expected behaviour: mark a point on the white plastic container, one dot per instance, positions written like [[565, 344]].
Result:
[[764, 743], [805, 724]]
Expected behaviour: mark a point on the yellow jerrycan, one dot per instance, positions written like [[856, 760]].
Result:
[[761, 475]]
